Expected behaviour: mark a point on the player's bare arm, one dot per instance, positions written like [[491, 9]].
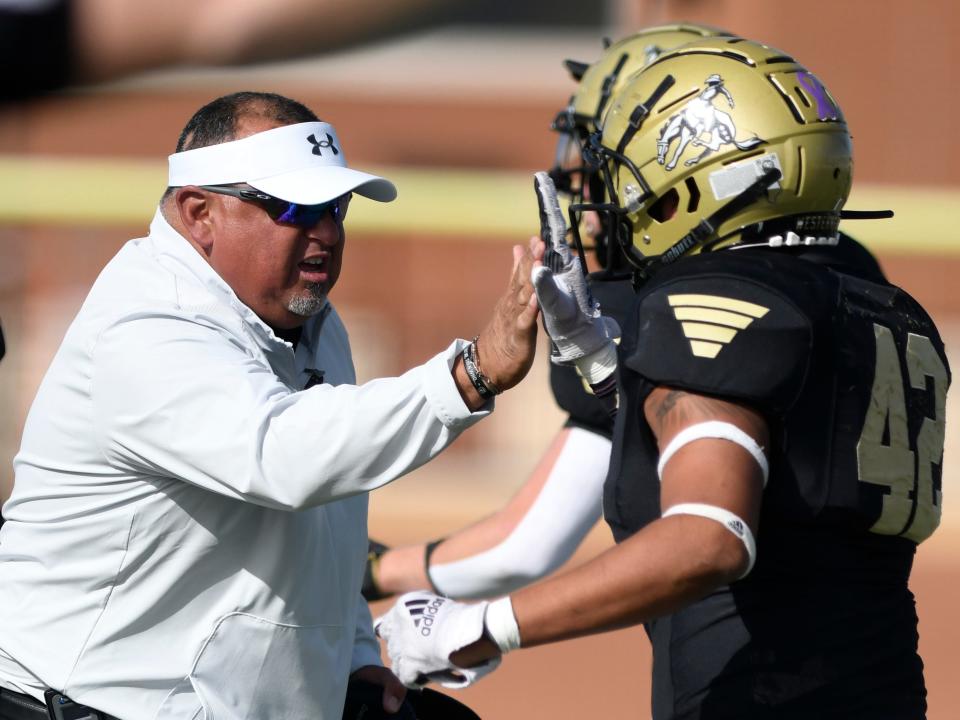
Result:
[[708, 470], [674, 560], [712, 471]]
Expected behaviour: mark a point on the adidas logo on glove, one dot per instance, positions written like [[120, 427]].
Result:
[[423, 611]]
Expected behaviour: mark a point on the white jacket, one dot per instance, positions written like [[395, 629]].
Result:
[[187, 531]]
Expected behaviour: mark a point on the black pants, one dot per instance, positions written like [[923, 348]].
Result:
[[15, 706]]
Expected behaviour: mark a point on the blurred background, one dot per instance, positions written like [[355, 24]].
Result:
[[453, 101]]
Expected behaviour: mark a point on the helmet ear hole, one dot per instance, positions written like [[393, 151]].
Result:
[[693, 202], [665, 207]]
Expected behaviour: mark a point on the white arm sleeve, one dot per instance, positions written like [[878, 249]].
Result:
[[563, 513]]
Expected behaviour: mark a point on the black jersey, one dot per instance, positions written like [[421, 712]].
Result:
[[571, 391], [851, 375]]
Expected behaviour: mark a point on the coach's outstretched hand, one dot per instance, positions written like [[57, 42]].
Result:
[[423, 630], [506, 346]]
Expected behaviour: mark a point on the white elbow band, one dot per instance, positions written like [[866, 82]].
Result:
[[501, 625], [718, 430], [726, 518]]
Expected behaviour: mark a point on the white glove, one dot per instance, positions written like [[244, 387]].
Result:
[[422, 630], [571, 315]]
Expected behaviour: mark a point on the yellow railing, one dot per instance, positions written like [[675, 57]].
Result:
[[498, 205]]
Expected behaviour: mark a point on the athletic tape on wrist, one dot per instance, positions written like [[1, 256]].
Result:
[[718, 430], [598, 365], [501, 625], [730, 521]]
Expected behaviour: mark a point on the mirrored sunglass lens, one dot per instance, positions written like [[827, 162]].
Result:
[[306, 215]]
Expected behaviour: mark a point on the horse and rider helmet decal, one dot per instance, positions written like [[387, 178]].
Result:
[[700, 123]]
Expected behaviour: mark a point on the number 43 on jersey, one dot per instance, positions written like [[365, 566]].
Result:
[[886, 454]]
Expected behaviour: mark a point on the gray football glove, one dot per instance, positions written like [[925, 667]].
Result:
[[571, 315]]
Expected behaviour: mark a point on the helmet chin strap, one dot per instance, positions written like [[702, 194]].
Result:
[[707, 227], [866, 214]]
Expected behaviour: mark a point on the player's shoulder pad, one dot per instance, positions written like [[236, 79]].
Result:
[[715, 329]]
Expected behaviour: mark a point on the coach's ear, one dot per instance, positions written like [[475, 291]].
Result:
[[193, 210]]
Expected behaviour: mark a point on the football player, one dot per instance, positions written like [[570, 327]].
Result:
[[778, 445], [544, 523]]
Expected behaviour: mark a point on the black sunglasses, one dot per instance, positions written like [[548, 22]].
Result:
[[283, 211]]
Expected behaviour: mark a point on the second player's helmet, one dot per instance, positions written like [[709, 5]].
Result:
[[720, 142], [599, 81]]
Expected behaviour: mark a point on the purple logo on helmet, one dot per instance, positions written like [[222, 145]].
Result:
[[826, 109]]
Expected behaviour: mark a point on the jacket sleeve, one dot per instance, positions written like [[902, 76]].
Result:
[[175, 398]]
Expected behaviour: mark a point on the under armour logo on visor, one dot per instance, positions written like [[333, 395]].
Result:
[[318, 144]]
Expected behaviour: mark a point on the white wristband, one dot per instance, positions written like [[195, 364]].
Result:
[[598, 365], [501, 624]]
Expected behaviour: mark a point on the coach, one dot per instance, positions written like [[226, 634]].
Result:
[[187, 531]]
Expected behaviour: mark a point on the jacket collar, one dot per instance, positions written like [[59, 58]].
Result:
[[168, 242]]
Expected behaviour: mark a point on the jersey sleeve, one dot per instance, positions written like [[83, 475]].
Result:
[[722, 336]]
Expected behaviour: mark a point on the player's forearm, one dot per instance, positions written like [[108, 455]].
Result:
[[401, 569], [667, 565]]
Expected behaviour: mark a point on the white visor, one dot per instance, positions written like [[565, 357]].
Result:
[[300, 163]]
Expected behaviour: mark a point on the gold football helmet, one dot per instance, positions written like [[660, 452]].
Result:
[[598, 83], [719, 142]]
